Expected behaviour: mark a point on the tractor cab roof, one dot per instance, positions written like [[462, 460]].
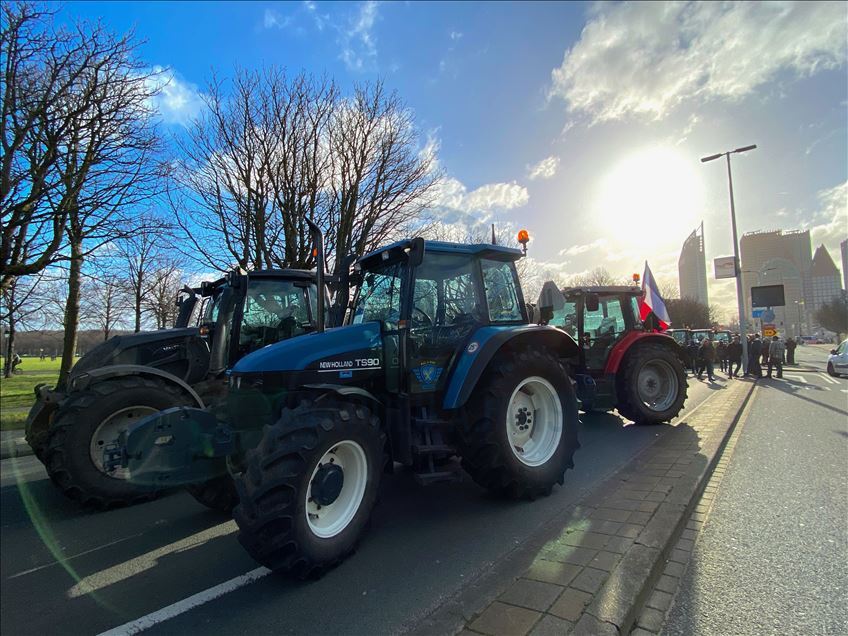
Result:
[[605, 290], [395, 250], [287, 274]]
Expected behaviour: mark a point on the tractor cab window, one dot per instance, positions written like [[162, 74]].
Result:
[[379, 296], [445, 310], [602, 328], [566, 318], [501, 294], [274, 310]]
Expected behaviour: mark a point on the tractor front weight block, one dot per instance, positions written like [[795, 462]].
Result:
[[178, 446]]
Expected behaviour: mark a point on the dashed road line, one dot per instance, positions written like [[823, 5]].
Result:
[[181, 607]]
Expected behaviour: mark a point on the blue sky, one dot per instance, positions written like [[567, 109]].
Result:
[[582, 122]]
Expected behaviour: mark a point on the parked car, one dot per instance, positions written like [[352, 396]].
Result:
[[837, 362]]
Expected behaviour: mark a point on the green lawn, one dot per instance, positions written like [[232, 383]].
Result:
[[16, 392]]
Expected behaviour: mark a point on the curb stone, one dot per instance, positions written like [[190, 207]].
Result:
[[14, 447], [616, 541]]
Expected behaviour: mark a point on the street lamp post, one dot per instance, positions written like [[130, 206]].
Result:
[[739, 298]]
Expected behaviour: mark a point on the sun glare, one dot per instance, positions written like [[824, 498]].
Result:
[[652, 197]]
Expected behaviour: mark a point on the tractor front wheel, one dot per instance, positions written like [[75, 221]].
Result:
[[307, 492], [90, 421], [651, 385], [522, 435]]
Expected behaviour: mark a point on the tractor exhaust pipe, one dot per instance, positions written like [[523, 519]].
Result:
[[318, 253]]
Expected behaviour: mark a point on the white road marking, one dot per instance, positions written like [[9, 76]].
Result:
[[797, 378], [74, 556], [181, 607], [828, 379], [125, 570]]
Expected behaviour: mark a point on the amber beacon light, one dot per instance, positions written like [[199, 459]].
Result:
[[523, 238]]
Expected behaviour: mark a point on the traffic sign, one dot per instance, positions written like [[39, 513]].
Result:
[[769, 331], [757, 313], [767, 315]]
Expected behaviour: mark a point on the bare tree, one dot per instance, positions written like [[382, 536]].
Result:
[[275, 151], [22, 306], [160, 301], [380, 180], [141, 254], [105, 303]]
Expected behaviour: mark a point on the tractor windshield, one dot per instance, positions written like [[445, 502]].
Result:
[[274, 310], [379, 296]]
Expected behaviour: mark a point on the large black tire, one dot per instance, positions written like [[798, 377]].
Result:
[[68, 458], [630, 403], [831, 370], [217, 494], [484, 441], [37, 431], [273, 489]]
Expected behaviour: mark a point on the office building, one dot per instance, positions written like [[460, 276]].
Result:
[[843, 246], [692, 268], [825, 279], [780, 258]]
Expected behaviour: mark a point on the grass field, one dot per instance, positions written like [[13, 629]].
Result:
[[16, 393]]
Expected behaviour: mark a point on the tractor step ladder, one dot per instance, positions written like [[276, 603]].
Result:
[[426, 450]]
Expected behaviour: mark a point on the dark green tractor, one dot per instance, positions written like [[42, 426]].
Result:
[[72, 427], [437, 361]]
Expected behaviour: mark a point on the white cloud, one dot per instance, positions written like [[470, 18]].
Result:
[[487, 198], [275, 20], [359, 46], [545, 169], [646, 58], [455, 35], [830, 223], [178, 101], [576, 250]]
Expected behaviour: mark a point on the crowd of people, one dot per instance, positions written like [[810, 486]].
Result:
[[771, 353]]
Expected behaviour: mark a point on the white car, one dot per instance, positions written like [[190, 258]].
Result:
[[837, 363]]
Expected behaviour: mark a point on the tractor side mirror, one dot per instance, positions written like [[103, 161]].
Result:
[[415, 255], [546, 314], [592, 302]]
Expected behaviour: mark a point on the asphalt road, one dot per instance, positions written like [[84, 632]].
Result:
[[66, 571], [772, 557]]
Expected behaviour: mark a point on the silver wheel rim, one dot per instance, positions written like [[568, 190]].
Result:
[[110, 430], [534, 421], [657, 385], [330, 520]]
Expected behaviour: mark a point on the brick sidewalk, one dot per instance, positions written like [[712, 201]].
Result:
[[596, 575]]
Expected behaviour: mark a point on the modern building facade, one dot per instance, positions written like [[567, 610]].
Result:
[[692, 268], [843, 246], [825, 278], [775, 258]]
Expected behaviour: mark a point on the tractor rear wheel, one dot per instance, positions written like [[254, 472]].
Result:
[[217, 494], [87, 422], [307, 492], [522, 435], [651, 385]]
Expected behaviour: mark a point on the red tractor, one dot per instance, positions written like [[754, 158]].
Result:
[[622, 364]]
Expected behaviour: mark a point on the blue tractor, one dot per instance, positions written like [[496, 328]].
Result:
[[437, 359]]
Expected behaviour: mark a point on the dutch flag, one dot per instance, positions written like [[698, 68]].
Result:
[[652, 301]]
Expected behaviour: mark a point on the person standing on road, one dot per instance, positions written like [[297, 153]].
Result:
[[721, 354], [707, 354], [734, 356], [776, 350], [692, 348], [790, 350], [755, 350]]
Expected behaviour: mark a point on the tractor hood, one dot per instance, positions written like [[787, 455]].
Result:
[[333, 354]]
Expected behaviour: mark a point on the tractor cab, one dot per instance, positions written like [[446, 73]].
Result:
[[428, 298]]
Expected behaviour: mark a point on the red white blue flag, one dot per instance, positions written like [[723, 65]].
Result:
[[652, 301]]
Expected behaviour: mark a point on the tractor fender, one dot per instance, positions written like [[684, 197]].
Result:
[[620, 350], [486, 342], [345, 391], [82, 381]]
